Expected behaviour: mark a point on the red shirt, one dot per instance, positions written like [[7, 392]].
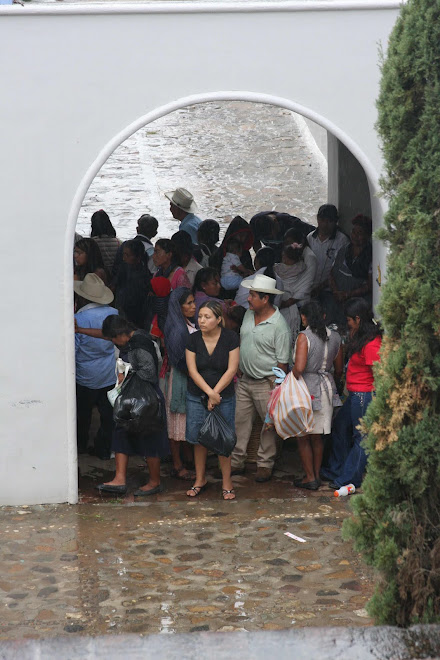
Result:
[[359, 371]]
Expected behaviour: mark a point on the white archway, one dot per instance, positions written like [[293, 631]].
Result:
[[61, 103], [99, 161]]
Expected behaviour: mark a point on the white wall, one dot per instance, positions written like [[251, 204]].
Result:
[[76, 77]]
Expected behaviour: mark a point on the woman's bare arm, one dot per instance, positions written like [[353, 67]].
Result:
[[196, 377], [302, 349], [90, 332], [234, 358]]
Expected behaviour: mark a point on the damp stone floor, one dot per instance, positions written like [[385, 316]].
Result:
[[173, 564]]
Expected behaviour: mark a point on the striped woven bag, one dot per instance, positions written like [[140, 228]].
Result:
[[291, 408]]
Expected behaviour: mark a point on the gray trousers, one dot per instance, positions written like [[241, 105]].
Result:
[[251, 400]]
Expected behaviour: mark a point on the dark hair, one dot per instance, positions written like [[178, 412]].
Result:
[[176, 328], [208, 232], [184, 295], [101, 225], [315, 319], [169, 246], [363, 221], [236, 314], [271, 296], [137, 248], [368, 328], [294, 234], [328, 211], [233, 243], [215, 308], [115, 325], [94, 257], [266, 259], [148, 225], [182, 241], [203, 276]]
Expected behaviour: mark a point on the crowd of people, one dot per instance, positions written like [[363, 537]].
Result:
[[206, 322]]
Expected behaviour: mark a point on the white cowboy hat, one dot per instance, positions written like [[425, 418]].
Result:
[[182, 199], [93, 288], [261, 283]]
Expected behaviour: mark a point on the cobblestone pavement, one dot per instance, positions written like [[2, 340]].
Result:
[[178, 565], [236, 158]]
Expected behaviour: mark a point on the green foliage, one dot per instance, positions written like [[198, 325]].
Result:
[[396, 522]]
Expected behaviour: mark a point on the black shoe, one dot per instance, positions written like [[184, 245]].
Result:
[[333, 486], [144, 493], [308, 485], [114, 490]]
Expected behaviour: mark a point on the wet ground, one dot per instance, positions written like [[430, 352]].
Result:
[[236, 158], [178, 565]]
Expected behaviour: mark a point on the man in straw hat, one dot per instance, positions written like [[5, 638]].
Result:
[[95, 364], [183, 208], [265, 342]]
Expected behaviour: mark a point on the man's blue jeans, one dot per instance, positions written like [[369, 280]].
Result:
[[347, 460]]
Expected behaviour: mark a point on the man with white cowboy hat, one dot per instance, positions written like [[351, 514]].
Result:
[[183, 208], [265, 342], [95, 364]]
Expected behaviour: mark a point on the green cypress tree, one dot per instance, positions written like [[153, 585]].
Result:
[[396, 522]]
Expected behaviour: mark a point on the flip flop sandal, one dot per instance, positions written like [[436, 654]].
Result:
[[197, 490], [227, 492]]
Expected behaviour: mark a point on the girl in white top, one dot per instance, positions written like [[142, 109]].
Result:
[[297, 279], [233, 271]]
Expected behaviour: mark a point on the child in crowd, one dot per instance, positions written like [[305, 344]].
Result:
[[233, 271], [88, 259]]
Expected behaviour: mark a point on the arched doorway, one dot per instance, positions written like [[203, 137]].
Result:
[[336, 132]]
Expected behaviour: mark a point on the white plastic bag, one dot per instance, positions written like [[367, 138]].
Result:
[[121, 368]]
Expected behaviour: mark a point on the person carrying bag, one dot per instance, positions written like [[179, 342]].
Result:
[[290, 407], [216, 435], [212, 356], [139, 410]]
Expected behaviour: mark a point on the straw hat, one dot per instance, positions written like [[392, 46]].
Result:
[[182, 199], [93, 288], [261, 283]]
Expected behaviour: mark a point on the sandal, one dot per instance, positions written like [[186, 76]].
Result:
[[228, 492], [197, 490]]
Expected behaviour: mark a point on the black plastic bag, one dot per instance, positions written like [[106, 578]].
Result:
[[216, 435], [138, 408]]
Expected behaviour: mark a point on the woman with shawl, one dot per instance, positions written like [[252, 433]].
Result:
[[181, 311]]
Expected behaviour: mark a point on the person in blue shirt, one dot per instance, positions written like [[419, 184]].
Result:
[[95, 364], [183, 208]]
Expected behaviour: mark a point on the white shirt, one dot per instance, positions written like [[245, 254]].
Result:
[[192, 269], [228, 261], [301, 285], [325, 252]]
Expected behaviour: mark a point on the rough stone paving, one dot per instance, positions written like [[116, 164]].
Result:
[[174, 565], [236, 158]]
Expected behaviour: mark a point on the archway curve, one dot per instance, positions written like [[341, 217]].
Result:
[[93, 170], [197, 99]]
